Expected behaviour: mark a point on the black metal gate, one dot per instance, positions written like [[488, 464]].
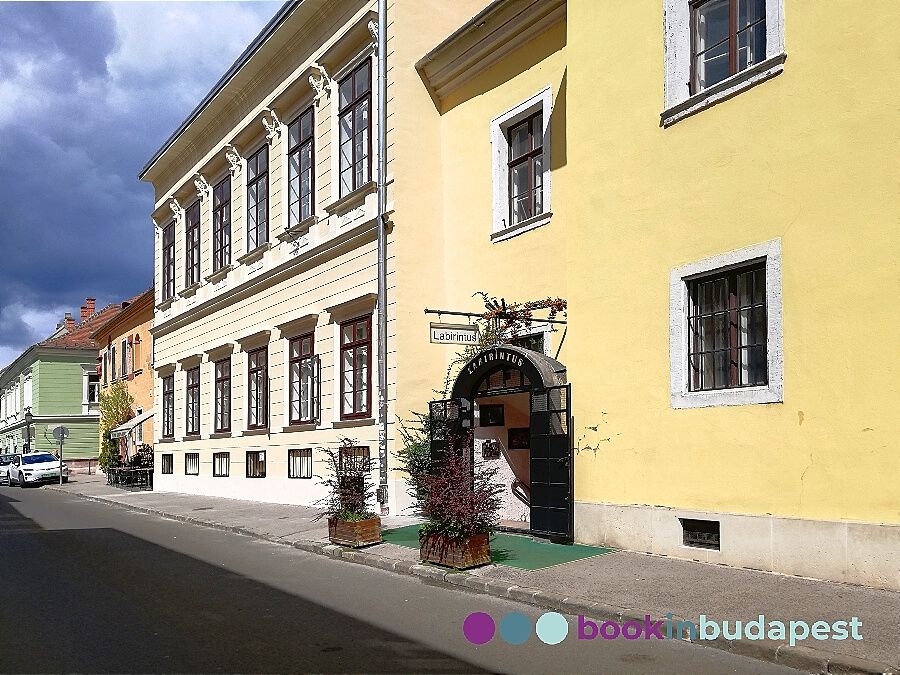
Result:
[[551, 462], [450, 426]]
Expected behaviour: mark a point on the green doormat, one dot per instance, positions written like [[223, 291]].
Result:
[[512, 550]]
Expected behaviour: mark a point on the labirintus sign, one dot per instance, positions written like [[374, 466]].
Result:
[[498, 354], [454, 334]]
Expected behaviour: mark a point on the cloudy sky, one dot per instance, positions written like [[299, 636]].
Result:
[[88, 92]]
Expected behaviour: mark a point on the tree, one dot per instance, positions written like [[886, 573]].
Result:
[[115, 409]]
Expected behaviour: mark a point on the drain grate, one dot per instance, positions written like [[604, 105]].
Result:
[[204, 508]]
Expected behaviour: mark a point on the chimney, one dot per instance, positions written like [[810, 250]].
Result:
[[84, 313], [88, 309], [69, 321]]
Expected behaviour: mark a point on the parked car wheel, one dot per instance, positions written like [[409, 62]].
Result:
[[65, 479], [21, 481]]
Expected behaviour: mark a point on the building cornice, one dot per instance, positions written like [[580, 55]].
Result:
[[126, 317], [485, 39]]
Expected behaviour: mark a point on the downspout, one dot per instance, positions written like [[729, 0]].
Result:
[[382, 259]]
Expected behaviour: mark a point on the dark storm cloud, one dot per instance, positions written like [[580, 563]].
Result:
[[88, 92]]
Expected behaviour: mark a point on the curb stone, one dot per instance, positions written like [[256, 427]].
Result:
[[810, 660]]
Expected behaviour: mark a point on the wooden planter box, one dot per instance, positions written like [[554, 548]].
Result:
[[354, 533], [457, 553]]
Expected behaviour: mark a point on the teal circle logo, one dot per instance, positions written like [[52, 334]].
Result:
[[552, 628], [515, 628]]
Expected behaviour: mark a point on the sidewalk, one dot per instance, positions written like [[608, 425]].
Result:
[[616, 586]]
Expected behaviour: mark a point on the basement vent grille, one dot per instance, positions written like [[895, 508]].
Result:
[[700, 533]]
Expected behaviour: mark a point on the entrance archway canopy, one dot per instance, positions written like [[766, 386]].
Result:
[[540, 371]]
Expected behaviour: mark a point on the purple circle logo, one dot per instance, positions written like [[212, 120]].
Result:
[[479, 628]]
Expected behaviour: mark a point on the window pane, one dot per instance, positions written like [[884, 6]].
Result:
[[362, 80], [521, 209], [518, 140], [347, 380], [712, 24], [537, 131], [519, 179], [712, 66], [345, 93], [362, 330], [750, 11]]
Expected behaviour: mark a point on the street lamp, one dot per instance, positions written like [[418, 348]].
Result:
[[29, 418]]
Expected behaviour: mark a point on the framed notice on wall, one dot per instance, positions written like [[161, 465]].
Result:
[[490, 415], [519, 439]]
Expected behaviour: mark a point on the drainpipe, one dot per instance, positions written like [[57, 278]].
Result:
[[382, 257]]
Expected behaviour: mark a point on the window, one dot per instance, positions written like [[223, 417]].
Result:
[[192, 464], [300, 168], [520, 151], [727, 36], [715, 49], [700, 533], [258, 198], [192, 402], [136, 354], [300, 463], [301, 371], [354, 101], [124, 357], [106, 367], [93, 388], [354, 458], [258, 389], [256, 464], [112, 363], [168, 262], [491, 415], [725, 327], [526, 155], [356, 361], [221, 208], [223, 395], [139, 429], [168, 406], [221, 464], [167, 463], [532, 341], [192, 245]]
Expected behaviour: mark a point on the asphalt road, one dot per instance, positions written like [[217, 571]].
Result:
[[86, 587]]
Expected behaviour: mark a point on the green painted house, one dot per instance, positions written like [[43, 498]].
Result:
[[56, 380]]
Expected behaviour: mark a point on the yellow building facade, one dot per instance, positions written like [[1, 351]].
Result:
[[720, 200]]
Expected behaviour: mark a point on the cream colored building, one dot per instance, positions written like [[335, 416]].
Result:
[[265, 323]]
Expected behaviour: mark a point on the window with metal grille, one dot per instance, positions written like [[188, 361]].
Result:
[[302, 372], [192, 245], [700, 533], [258, 198], [167, 463], [727, 36], [223, 395], [221, 464], [257, 389], [300, 463], [256, 464], [301, 177], [727, 329], [356, 366], [354, 125], [221, 213], [192, 464], [168, 406], [526, 157], [192, 402], [168, 261]]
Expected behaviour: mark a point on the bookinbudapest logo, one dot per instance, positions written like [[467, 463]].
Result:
[[552, 628]]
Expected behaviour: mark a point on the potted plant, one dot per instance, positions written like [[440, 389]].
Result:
[[461, 502], [351, 521]]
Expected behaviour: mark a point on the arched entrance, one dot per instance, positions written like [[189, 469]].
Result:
[[522, 401]]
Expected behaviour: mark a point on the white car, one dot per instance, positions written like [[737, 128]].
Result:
[[35, 468]]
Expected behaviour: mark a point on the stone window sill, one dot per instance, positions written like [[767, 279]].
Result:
[[189, 291], [349, 424], [309, 426], [165, 304], [298, 230], [220, 434], [167, 440], [255, 254], [255, 432], [355, 198], [192, 437], [721, 91], [520, 228], [218, 275]]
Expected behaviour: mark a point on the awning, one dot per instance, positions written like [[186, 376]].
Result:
[[125, 428]]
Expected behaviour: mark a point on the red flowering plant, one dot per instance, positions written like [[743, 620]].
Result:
[[461, 497]]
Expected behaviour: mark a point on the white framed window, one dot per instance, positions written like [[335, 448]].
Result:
[[300, 463], [717, 48], [192, 464], [535, 337], [221, 464], [520, 166], [725, 329]]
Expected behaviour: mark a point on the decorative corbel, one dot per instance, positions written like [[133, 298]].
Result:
[[202, 185], [177, 210], [234, 158], [320, 83], [272, 124], [373, 30]]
